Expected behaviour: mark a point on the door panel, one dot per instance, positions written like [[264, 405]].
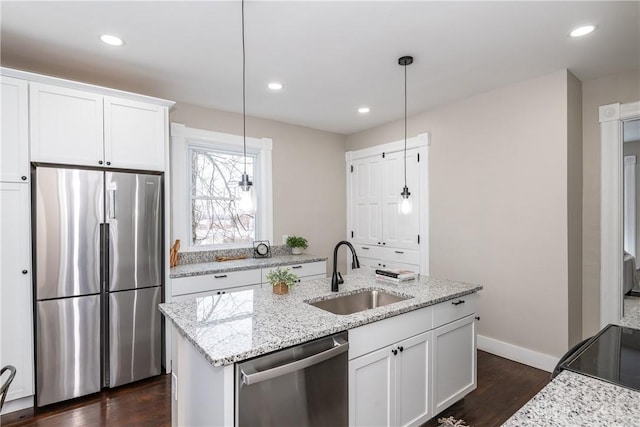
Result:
[[14, 132], [371, 389], [68, 348], [413, 395], [134, 215], [69, 211], [365, 194], [134, 335]]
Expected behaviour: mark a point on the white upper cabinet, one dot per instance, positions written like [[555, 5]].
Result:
[[77, 127], [66, 126], [367, 204], [400, 231], [134, 134], [14, 146]]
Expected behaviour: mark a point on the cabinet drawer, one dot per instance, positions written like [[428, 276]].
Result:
[[405, 256], [378, 263], [367, 338], [300, 270], [454, 309], [395, 255], [216, 292], [214, 282]]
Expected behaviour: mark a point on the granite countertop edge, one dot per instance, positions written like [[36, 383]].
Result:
[[332, 323], [573, 399], [216, 267]]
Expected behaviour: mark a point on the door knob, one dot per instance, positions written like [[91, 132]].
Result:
[[401, 348], [395, 352], [24, 271]]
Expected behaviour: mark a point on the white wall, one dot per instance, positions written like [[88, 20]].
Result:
[[623, 88], [499, 179]]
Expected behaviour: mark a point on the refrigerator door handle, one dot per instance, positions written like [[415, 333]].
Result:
[[111, 209]]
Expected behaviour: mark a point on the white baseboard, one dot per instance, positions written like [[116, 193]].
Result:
[[517, 354], [17, 405]]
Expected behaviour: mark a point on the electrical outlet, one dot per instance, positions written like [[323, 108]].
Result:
[[284, 239]]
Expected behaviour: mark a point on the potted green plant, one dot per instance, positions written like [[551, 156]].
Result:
[[281, 279], [297, 244]]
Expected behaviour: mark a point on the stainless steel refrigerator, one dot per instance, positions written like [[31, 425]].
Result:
[[98, 280]]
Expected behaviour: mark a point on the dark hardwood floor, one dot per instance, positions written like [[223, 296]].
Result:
[[503, 387], [145, 403]]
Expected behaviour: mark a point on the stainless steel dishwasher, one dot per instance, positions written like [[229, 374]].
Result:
[[305, 385]]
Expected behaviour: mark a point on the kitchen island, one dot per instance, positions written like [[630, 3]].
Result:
[[218, 331]]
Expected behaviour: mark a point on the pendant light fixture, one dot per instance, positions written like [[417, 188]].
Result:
[[246, 194], [405, 201]]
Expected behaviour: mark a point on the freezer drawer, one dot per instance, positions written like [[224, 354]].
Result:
[[68, 348], [134, 335]]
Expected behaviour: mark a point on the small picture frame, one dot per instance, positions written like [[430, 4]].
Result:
[[261, 249]]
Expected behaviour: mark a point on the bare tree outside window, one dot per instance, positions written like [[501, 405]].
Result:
[[215, 219]]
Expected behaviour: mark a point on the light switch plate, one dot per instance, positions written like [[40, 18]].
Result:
[[284, 239]]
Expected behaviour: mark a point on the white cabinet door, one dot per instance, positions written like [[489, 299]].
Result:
[[16, 322], [366, 209], [66, 125], [371, 384], [14, 143], [400, 231], [134, 134], [454, 362], [413, 380]]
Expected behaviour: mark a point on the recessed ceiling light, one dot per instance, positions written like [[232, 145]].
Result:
[[275, 86], [363, 110], [582, 31], [111, 40]]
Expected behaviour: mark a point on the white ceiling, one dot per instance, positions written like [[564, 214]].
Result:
[[332, 57]]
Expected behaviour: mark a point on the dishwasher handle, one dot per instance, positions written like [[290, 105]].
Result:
[[254, 378]]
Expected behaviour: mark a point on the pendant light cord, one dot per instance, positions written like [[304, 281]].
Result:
[[244, 113], [405, 125]]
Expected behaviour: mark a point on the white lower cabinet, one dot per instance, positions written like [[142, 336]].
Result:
[[390, 386], [16, 320], [454, 362], [406, 369]]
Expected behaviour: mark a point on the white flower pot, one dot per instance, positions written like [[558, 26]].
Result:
[[296, 251]]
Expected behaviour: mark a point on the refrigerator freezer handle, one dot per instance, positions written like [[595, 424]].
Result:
[[111, 208]]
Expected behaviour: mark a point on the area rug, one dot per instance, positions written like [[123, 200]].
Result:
[[452, 422]]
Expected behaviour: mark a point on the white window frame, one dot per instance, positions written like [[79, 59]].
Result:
[[182, 139]]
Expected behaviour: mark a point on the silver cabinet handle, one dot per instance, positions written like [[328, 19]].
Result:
[[111, 214], [269, 374]]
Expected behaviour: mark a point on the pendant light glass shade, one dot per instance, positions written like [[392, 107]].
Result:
[[405, 202], [247, 195]]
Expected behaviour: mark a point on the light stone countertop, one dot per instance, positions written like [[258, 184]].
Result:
[[232, 327], [573, 399], [215, 267]]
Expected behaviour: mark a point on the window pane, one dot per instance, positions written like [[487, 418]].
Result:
[[215, 219]]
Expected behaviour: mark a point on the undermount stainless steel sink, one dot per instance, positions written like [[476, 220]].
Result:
[[360, 301]]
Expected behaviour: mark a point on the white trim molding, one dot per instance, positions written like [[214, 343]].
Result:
[[611, 210], [517, 354], [181, 137]]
